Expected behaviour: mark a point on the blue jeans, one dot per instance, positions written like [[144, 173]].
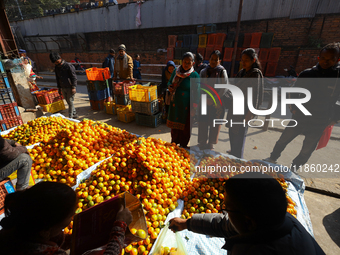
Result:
[[312, 136], [69, 97], [23, 164]]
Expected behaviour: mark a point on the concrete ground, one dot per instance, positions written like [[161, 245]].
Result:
[[324, 210]]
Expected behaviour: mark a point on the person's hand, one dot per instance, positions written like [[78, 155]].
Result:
[[293, 111], [171, 89], [39, 77], [74, 91], [125, 215], [178, 224], [17, 145]]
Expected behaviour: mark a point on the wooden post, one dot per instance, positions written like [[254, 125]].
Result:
[[236, 38]]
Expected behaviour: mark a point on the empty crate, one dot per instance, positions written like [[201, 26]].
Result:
[[149, 120], [148, 108]]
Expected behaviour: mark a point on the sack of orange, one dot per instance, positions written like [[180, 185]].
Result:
[[206, 195], [38, 130], [154, 171], [75, 149]]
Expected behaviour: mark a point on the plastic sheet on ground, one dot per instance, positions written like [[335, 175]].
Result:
[[87, 173], [198, 244]]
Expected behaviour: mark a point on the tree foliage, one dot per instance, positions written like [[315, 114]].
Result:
[[33, 8]]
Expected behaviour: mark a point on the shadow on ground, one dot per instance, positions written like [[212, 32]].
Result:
[[331, 223]]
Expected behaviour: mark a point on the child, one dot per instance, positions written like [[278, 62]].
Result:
[[205, 123], [136, 68]]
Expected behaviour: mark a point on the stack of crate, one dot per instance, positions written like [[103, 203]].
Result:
[[98, 87], [9, 112], [145, 105], [207, 40], [261, 42], [121, 92], [50, 100]]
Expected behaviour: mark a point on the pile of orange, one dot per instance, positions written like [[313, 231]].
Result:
[[76, 148], [206, 195], [156, 172], [38, 130]]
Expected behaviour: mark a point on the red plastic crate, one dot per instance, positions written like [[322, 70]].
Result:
[[219, 39], [211, 40], [99, 105], [48, 97], [247, 40], [9, 123], [172, 41], [274, 54], [208, 52], [263, 55], [255, 40], [170, 53], [228, 54], [8, 111], [271, 69], [98, 74], [122, 88], [6, 187], [201, 51]]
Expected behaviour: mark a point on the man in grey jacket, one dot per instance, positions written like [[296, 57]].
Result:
[[65, 74], [256, 222]]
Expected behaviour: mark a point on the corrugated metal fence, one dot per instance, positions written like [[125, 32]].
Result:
[[168, 13]]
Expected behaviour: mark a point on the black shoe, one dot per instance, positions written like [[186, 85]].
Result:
[[75, 116]]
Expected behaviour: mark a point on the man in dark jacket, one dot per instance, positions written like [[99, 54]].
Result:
[[256, 223], [66, 81], [110, 61], [322, 81], [14, 156]]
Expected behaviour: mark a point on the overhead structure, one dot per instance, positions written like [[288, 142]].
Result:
[[8, 46]]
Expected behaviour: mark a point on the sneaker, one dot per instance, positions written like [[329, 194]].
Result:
[[270, 160]]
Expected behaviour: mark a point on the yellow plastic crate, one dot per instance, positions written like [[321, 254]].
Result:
[[54, 107], [126, 116], [124, 108], [110, 108], [141, 93]]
